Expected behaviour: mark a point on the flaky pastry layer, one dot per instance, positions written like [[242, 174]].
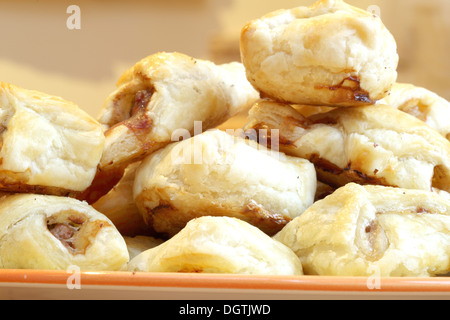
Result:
[[422, 104], [47, 144], [56, 233], [167, 92], [217, 174], [373, 231], [219, 245], [330, 53], [375, 144]]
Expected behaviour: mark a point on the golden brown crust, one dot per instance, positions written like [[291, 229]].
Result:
[[219, 245], [44, 153], [373, 230], [103, 182], [54, 233], [165, 92], [170, 191], [160, 96], [330, 53], [119, 206], [168, 220], [421, 103], [375, 145]]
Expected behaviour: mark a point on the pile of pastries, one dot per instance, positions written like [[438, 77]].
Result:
[[339, 171]]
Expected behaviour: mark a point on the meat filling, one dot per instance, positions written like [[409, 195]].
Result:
[[65, 226], [64, 233], [141, 100], [139, 122], [350, 90], [416, 108]]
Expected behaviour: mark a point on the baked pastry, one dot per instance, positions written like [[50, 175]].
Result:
[[161, 97], [164, 97], [374, 144], [422, 104], [323, 190], [310, 110], [330, 53], [47, 145], [53, 233], [139, 244], [373, 230], [219, 245], [216, 174], [119, 206]]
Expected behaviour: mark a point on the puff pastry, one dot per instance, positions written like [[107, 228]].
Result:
[[119, 206], [217, 174], [219, 245], [47, 145], [374, 144], [422, 104], [323, 190], [328, 54], [310, 110], [53, 233], [139, 244], [163, 94], [373, 230]]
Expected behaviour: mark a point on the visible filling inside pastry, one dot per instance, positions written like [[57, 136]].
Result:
[[268, 221], [334, 176], [141, 100], [416, 108], [440, 178], [335, 167], [325, 168], [74, 230], [18, 182], [351, 90], [66, 228], [325, 165], [263, 134], [376, 239], [139, 122], [2, 129]]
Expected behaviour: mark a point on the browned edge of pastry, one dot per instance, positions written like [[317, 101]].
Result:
[[167, 220]]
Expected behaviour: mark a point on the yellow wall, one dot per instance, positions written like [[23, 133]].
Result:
[[39, 52]]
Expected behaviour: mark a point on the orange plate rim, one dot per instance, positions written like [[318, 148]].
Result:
[[227, 281]]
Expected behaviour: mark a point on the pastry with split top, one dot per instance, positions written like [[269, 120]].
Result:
[[219, 245], [422, 104], [47, 145], [330, 53], [217, 174], [373, 231], [374, 144], [54, 233]]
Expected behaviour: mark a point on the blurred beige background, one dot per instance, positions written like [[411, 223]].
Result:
[[39, 52]]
